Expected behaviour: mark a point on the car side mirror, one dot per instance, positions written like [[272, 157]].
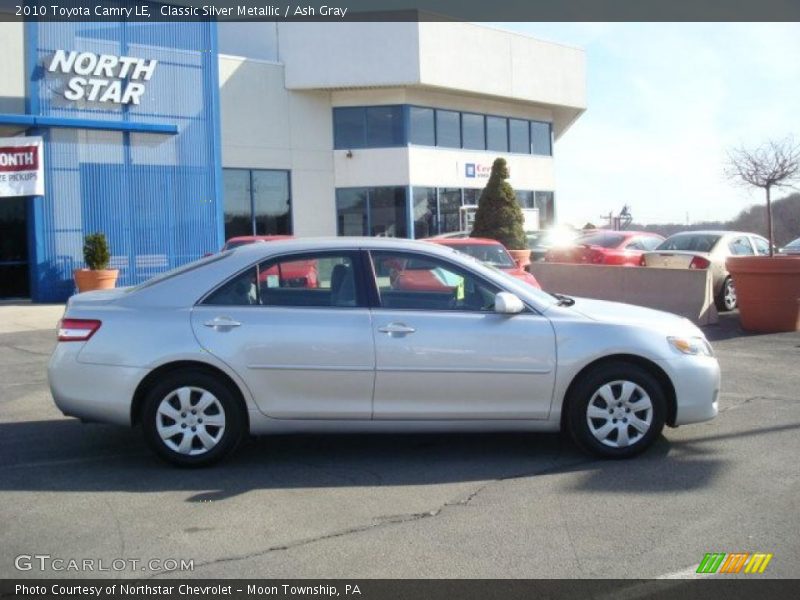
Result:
[[506, 303]]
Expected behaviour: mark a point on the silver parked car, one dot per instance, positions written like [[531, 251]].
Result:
[[792, 248], [371, 335], [707, 250]]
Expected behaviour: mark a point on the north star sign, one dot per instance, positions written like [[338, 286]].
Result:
[[103, 77]]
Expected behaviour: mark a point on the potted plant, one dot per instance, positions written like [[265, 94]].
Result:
[[97, 275], [767, 287], [499, 216]]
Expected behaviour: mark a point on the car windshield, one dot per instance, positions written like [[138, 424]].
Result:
[[604, 240], [691, 242], [491, 254], [793, 245]]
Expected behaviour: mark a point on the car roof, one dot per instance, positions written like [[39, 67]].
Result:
[[715, 232], [623, 232], [464, 241], [258, 238]]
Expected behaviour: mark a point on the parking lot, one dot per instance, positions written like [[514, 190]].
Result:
[[476, 506]]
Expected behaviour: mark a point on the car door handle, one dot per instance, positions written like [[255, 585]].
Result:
[[222, 323], [396, 329]]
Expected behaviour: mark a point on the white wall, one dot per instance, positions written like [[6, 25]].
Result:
[[12, 81], [265, 126]]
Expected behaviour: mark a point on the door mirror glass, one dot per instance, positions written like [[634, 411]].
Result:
[[507, 303]]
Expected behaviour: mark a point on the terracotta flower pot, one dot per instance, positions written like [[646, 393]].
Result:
[[88, 280], [768, 292], [521, 257]]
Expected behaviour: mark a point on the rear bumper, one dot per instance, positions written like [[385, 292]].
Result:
[[92, 392], [696, 381]]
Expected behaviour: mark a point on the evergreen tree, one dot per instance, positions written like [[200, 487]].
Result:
[[499, 216]]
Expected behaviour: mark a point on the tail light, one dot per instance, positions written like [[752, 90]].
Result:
[[77, 330], [698, 262], [596, 257]]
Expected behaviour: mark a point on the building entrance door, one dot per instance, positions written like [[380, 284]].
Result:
[[14, 282]]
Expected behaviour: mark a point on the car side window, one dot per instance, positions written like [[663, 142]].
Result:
[[740, 246], [650, 243], [416, 282], [762, 246], [308, 280]]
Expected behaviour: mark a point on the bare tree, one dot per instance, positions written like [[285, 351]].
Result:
[[774, 164]]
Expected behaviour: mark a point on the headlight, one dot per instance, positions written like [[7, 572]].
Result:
[[693, 346]]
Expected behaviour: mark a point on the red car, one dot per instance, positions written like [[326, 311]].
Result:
[[490, 252], [623, 248], [299, 274]]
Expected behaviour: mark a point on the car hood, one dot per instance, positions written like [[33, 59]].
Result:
[[629, 314]]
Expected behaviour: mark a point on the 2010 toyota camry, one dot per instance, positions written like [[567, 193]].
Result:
[[205, 354]]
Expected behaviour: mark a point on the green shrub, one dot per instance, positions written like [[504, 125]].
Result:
[[499, 216], [95, 251]]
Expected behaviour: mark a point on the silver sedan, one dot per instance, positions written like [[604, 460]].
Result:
[[371, 335]]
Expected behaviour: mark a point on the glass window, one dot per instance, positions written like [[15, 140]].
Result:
[[472, 196], [321, 280], [384, 126], [387, 212], [272, 205], [421, 126], [694, 242], [238, 211], [740, 246], [424, 212], [519, 136], [497, 134], [416, 282], [762, 246], [604, 240], [491, 254], [257, 203], [449, 209], [349, 128], [525, 198], [448, 129], [540, 138], [351, 211], [650, 242], [473, 134], [545, 202]]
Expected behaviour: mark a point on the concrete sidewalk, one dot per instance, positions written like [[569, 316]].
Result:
[[20, 316]]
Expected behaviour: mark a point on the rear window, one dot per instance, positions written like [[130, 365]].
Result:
[[693, 242], [604, 240], [181, 270]]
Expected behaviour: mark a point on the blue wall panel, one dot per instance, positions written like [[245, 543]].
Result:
[[156, 196]]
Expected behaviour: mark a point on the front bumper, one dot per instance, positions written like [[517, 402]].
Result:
[[91, 392], [696, 380]]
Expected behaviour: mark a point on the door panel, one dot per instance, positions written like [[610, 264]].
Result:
[[463, 366], [297, 330], [299, 363], [443, 353]]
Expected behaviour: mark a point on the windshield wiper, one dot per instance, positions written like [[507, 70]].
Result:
[[562, 299]]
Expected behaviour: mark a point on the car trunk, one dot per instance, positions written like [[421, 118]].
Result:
[[672, 259]]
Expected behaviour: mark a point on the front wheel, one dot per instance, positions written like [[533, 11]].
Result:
[[617, 410], [191, 419]]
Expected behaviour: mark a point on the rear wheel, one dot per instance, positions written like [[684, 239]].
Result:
[[726, 299], [191, 419], [617, 410]]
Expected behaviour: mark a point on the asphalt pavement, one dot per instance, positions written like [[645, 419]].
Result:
[[441, 506]]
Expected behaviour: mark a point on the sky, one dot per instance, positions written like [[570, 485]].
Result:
[[666, 102]]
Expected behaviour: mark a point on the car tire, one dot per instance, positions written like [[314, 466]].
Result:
[[192, 419], [726, 299], [616, 410]]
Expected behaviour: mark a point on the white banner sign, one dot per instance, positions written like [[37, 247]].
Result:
[[21, 167]]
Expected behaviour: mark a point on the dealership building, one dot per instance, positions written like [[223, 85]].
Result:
[[172, 137]]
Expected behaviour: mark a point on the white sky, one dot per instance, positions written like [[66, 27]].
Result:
[[665, 103]]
